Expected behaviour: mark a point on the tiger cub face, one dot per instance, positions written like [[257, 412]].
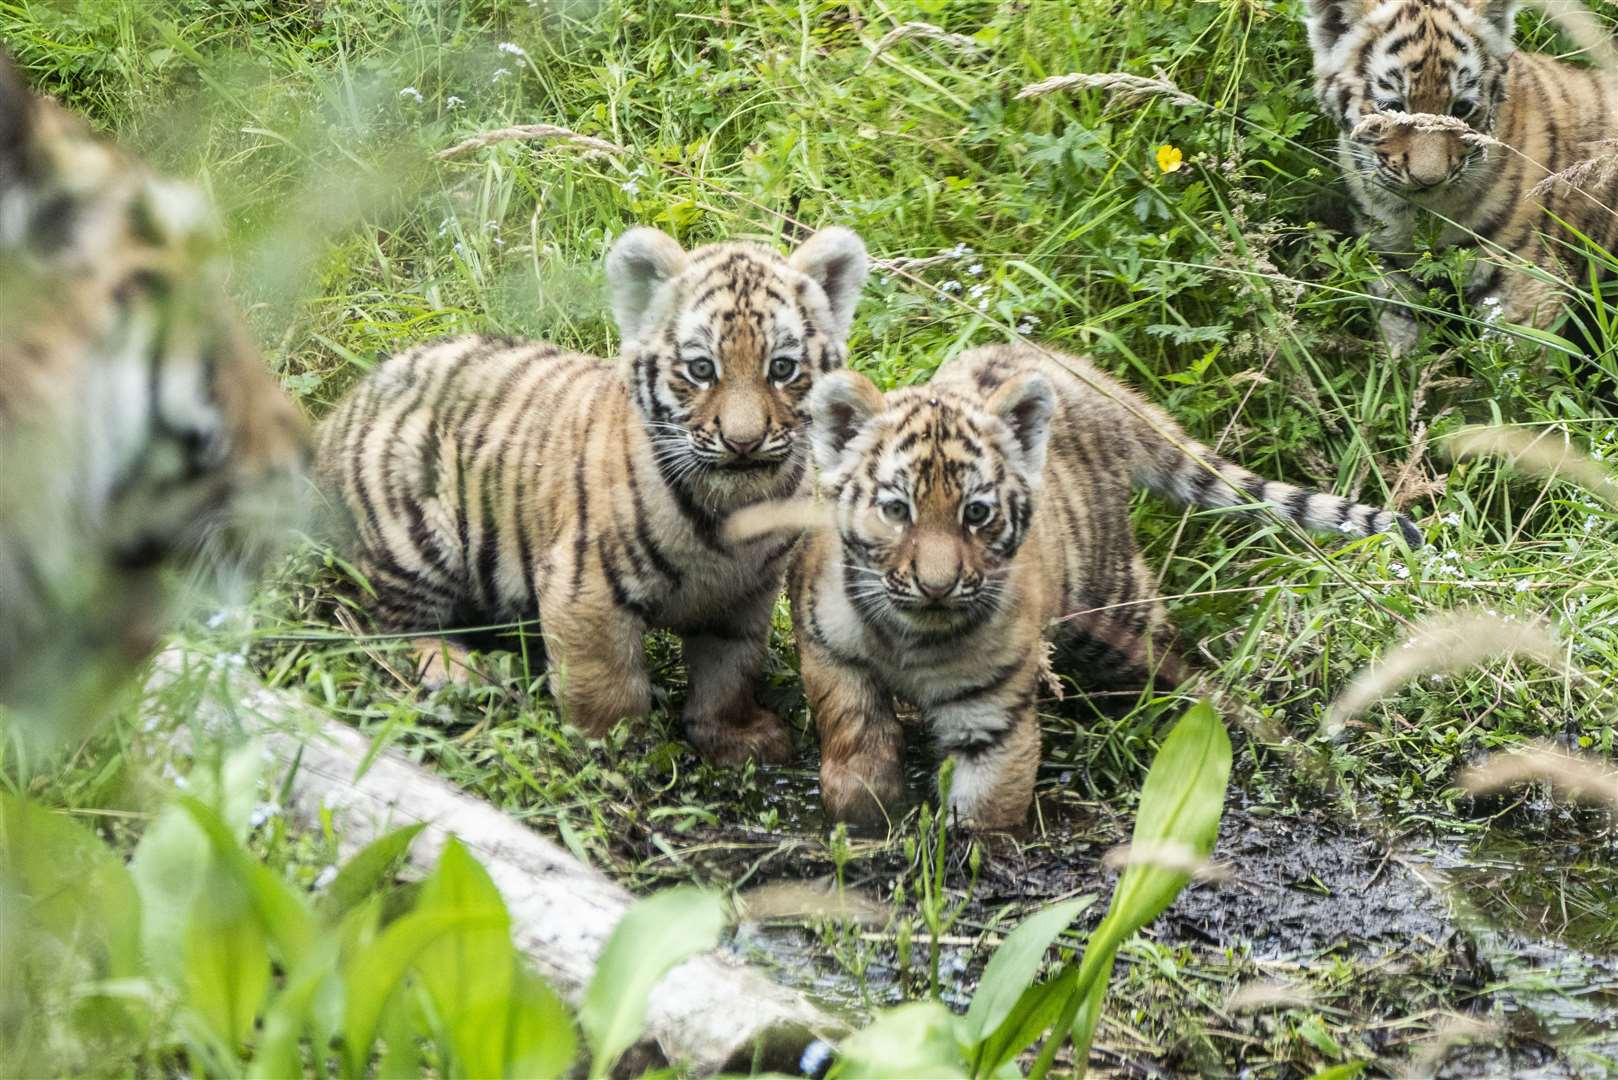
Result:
[[934, 494], [1446, 57], [722, 346], [140, 429]]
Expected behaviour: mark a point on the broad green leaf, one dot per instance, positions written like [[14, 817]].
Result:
[[1341, 1072], [653, 936], [366, 872], [468, 973], [171, 862], [917, 1041], [1013, 967], [539, 1031], [72, 887], [378, 968], [280, 911], [227, 969], [401, 1054], [289, 1014]]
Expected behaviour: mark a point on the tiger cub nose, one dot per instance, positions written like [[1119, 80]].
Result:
[[936, 590], [742, 447]]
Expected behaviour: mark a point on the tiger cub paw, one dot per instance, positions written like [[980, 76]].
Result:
[[862, 793], [440, 663], [755, 734]]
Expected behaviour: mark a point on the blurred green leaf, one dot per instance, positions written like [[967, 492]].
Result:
[[918, 1041], [653, 936], [540, 1039], [289, 1014], [227, 968], [281, 913], [468, 972], [366, 872]]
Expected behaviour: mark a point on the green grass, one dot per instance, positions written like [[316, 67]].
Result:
[[1229, 291]]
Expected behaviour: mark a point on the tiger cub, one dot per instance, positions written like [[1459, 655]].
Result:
[[978, 517], [1455, 58], [139, 429], [493, 480]]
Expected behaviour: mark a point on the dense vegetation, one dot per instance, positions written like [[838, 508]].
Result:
[[1201, 251]]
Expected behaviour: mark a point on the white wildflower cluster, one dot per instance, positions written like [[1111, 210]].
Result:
[[631, 187], [500, 73], [513, 49], [262, 813], [1026, 324], [324, 879], [413, 94], [492, 227], [453, 102]]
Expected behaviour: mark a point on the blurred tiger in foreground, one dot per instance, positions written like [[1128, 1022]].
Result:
[[491, 481], [973, 520], [1515, 153], [139, 430]]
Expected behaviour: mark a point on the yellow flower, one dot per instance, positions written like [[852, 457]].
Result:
[[1170, 158]]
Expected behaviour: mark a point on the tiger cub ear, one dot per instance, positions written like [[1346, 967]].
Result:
[[1502, 14], [637, 266], [1329, 20], [842, 402], [835, 260], [1025, 405]]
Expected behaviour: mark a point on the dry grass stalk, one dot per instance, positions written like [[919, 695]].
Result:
[[1578, 777], [1593, 171], [924, 30], [1378, 123], [1269, 994], [777, 515], [901, 264], [1126, 89], [528, 133], [1445, 644], [811, 900], [1545, 452], [1167, 856], [1453, 1032]]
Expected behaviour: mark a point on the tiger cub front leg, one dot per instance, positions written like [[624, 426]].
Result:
[[861, 742], [995, 746], [724, 664], [597, 657]]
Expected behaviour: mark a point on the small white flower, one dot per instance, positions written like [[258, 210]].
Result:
[[1399, 570], [499, 73], [262, 813], [1453, 520], [630, 186], [1025, 327], [412, 93], [975, 268], [453, 102], [1523, 585], [950, 286], [959, 251], [512, 48], [983, 305], [977, 290], [324, 879]]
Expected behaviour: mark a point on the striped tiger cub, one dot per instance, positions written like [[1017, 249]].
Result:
[[1512, 150], [492, 480], [975, 519], [139, 429]]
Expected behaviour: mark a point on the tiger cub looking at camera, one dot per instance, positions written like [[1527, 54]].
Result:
[[141, 435], [491, 480], [1541, 118], [974, 519]]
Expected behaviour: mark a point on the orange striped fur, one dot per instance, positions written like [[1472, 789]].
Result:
[[977, 518], [492, 480], [139, 430], [1456, 59]]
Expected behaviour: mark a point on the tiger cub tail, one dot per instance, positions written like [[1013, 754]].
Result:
[[1188, 472]]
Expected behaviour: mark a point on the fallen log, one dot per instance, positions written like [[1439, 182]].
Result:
[[711, 1013]]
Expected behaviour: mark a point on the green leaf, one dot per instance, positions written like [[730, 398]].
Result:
[[367, 871], [468, 973], [1014, 966], [378, 969], [227, 968], [540, 1040], [280, 911], [653, 936], [289, 1014], [1341, 1072], [917, 1041]]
